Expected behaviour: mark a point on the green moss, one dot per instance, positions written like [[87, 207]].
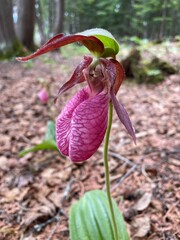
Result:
[[165, 67], [146, 71], [177, 38], [131, 60], [143, 74], [17, 49]]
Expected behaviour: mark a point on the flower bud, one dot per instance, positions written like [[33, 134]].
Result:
[[43, 96]]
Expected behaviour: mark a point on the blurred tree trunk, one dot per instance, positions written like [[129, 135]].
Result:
[[25, 23], [59, 16], [164, 6], [51, 8], [8, 40], [39, 21]]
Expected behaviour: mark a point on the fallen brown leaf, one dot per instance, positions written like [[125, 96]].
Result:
[[142, 225], [143, 202]]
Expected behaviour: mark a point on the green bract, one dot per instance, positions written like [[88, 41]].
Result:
[[111, 46], [90, 218]]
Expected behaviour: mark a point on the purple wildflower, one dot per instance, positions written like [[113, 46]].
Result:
[[81, 126]]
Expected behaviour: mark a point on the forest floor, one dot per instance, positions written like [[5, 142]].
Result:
[[37, 190]]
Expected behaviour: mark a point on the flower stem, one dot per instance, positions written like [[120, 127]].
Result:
[[107, 169]]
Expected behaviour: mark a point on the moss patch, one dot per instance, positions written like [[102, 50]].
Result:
[[17, 49], [152, 71]]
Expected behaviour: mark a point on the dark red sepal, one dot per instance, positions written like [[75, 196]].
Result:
[[77, 76], [91, 42]]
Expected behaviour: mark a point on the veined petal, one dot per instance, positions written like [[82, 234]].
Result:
[[81, 126], [77, 76], [63, 122], [91, 42], [89, 123]]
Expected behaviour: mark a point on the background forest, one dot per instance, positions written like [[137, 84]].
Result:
[[34, 21], [38, 185]]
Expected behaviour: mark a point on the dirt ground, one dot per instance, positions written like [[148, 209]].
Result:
[[37, 190]]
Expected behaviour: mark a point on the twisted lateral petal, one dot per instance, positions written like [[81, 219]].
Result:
[[123, 116], [77, 76], [91, 42], [120, 75], [115, 71], [116, 76], [81, 126]]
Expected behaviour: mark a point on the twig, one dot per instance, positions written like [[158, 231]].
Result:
[[143, 171], [38, 227], [126, 160], [67, 190], [53, 231], [57, 217], [124, 176], [170, 210]]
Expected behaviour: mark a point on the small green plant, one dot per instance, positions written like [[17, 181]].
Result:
[[49, 142], [49, 61], [28, 65]]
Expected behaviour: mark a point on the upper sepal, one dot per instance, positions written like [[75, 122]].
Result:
[[91, 42], [99, 41]]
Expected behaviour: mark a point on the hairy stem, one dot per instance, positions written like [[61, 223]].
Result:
[[107, 168]]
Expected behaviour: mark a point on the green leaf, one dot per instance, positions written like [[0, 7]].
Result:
[[45, 145], [111, 46], [90, 218], [49, 143], [50, 132]]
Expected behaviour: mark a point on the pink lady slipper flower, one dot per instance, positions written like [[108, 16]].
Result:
[[82, 124], [43, 95]]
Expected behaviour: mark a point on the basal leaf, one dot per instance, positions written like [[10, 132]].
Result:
[[90, 219]]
